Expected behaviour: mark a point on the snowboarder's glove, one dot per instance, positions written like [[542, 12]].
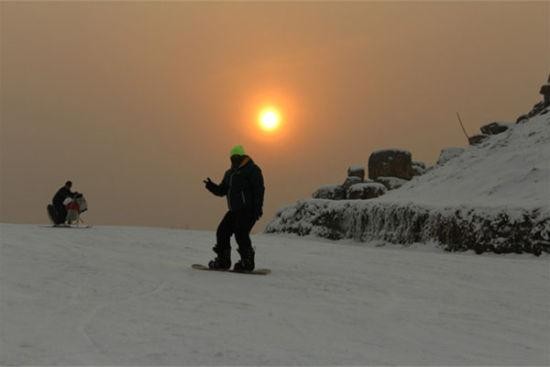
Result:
[[210, 186]]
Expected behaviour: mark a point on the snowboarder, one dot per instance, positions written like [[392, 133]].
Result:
[[243, 185], [57, 210]]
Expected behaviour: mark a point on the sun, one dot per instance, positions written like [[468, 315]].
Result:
[[269, 119]]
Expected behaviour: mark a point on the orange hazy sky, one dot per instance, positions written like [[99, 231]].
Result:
[[138, 102]]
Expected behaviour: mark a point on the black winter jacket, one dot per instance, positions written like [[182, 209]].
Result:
[[61, 195], [244, 188]]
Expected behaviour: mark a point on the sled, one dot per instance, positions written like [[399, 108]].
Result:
[[74, 206]]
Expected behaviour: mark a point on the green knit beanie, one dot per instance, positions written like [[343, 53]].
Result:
[[237, 150]]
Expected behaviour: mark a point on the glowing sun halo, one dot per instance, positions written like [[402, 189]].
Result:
[[269, 119]]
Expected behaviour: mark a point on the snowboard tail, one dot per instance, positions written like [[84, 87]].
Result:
[[254, 272]]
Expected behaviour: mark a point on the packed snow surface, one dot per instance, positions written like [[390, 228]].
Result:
[[127, 296]]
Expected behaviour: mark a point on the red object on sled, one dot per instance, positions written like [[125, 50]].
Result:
[[73, 205]]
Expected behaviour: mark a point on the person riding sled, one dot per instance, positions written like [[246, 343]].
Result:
[[243, 187], [57, 210]]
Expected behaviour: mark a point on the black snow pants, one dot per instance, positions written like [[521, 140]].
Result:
[[239, 223]]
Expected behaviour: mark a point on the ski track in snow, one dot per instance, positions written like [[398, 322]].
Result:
[[89, 320], [127, 296]]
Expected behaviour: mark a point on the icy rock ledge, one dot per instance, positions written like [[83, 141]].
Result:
[[456, 229]]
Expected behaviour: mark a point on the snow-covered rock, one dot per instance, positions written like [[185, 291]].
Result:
[[418, 168], [522, 118], [391, 183], [332, 192], [540, 108], [365, 190], [545, 91], [390, 163], [357, 171], [477, 139], [350, 181], [495, 128]]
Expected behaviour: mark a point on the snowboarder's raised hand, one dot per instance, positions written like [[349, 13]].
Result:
[[209, 184]]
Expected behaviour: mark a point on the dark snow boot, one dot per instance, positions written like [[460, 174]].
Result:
[[246, 263], [222, 261]]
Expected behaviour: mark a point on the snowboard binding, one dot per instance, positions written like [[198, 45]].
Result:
[[222, 260], [246, 263]]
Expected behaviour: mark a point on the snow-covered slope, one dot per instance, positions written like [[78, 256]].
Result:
[[493, 197], [511, 169], [127, 296]]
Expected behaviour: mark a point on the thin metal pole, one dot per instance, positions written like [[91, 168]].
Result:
[[461, 125]]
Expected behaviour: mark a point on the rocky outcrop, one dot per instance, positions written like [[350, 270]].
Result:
[[391, 168], [391, 163], [366, 190]]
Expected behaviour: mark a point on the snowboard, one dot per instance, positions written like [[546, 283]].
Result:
[[254, 272], [73, 226]]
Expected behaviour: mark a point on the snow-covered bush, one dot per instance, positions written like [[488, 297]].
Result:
[[365, 190], [456, 229], [350, 181], [391, 183], [332, 192]]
